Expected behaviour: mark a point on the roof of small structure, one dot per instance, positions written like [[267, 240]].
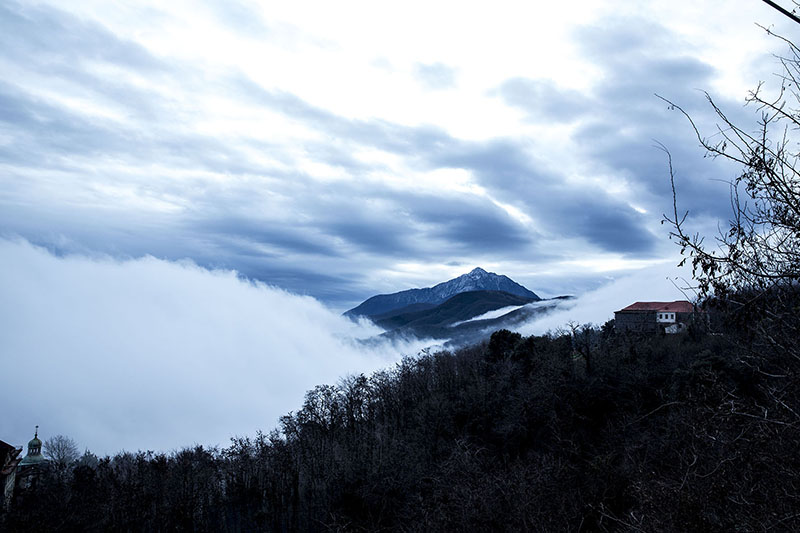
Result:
[[34, 456], [680, 306], [10, 457], [33, 459], [6, 447]]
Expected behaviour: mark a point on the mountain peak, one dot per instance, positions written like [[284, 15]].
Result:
[[475, 280]]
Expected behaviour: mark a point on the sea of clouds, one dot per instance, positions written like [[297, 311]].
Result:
[[156, 355], [151, 354], [661, 282]]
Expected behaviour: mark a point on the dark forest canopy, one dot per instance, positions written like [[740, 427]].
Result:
[[682, 432]]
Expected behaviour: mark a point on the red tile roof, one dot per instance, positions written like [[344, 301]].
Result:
[[680, 306]]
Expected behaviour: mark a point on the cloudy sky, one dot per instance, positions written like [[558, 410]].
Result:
[[339, 149], [328, 151]]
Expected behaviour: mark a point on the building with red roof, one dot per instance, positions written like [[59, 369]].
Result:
[[654, 317]]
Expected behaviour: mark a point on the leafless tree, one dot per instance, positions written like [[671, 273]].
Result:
[[791, 14], [61, 450], [753, 265]]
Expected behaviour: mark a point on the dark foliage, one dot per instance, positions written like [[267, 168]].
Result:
[[661, 433], [752, 268]]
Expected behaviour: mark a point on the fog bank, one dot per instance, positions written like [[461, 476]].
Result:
[[151, 354], [656, 283]]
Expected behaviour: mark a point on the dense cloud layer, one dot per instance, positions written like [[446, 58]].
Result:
[[149, 354], [658, 283], [280, 152]]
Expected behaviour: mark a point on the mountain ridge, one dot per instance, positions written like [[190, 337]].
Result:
[[460, 307], [477, 279]]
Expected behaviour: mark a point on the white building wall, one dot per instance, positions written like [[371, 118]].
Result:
[[664, 317]]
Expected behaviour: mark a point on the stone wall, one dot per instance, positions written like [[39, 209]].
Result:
[[641, 321]]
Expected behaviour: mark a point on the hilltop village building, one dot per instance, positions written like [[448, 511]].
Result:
[[20, 473], [30, 465], [10, 457], [655, 317]]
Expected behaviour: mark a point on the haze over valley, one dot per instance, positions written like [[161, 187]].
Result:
[[145, 353]]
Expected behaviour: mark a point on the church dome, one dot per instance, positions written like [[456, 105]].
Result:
[[34, 456]]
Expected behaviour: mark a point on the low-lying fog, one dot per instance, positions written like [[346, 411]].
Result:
[[151, 354]]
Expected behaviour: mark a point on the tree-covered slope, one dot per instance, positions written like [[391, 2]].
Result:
[[587, 431]]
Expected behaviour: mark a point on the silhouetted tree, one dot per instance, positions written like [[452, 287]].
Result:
[[61, 450], [666, 433], [753, 266], [502, 344]]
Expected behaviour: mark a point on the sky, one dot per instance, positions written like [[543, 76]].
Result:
[[173, 175], [344, 149]]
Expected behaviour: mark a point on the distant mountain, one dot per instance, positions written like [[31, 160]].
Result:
[[465, 318], [478, 279], [461, 307]]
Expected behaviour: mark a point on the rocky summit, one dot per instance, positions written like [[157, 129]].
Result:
[[420, 299]]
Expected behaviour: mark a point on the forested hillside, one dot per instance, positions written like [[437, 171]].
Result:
[[583, 431]]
